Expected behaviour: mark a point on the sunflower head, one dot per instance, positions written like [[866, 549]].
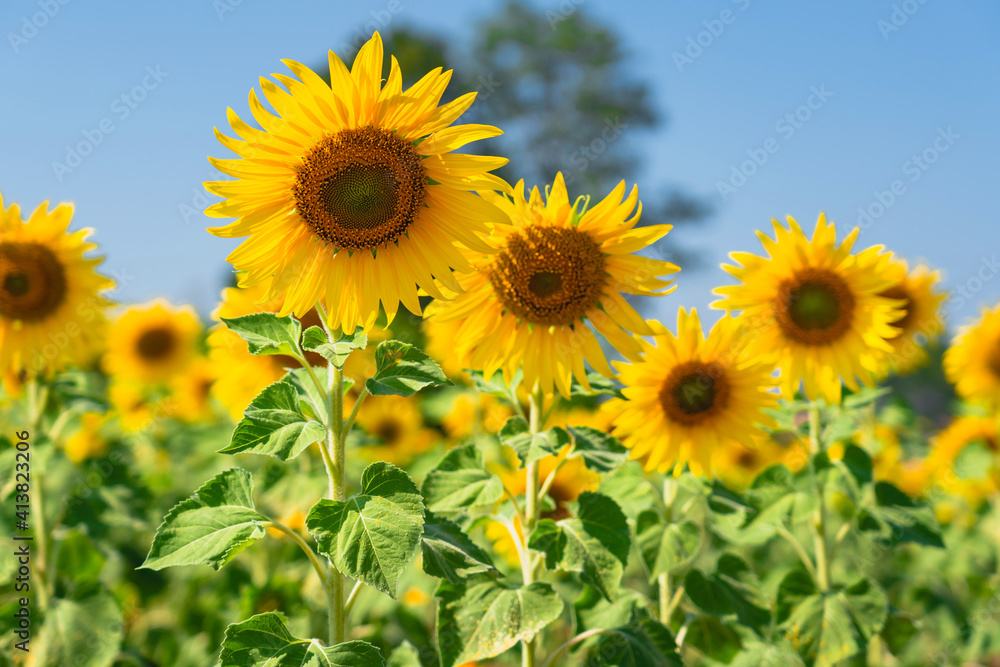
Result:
[[921, 320], [965, 458], [351, 194], [51, 308], [816, 308], [396, 429], [972, 363], [692, 395], [556, 275], [152, 342], [87, 443]]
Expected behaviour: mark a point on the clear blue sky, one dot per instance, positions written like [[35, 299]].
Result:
[[885, 96]]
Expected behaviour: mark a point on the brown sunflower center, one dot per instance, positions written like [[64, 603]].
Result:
[[694, 392], [156, 344], [32, 281], [360, 189], [549, 275], [389, 431], [746, 459], [899, 292], [815, 307], [993, 361]]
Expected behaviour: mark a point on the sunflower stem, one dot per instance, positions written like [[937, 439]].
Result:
[[666, 580], [38, 396], [532, 503], [819, 519]]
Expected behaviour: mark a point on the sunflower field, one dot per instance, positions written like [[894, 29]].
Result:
[[427, 426]]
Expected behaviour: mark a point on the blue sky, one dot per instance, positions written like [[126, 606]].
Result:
[[773, 108]]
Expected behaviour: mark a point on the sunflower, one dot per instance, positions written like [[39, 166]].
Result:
[[398, 428], [87, 442], [133, 403], [439, 344], [972, 363], [692, 395], [351, 195], [51, 311], [921, 320], [737, 464], [472, 411], [571, 478], [818, 309], [883, 445], [190, 392], [965, 458], [557, 272], [238, 375], [152, 342]]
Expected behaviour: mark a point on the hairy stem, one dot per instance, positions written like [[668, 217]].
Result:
[[532, 502], [819, 520]]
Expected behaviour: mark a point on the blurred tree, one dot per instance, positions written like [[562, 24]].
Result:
[[557, 83]]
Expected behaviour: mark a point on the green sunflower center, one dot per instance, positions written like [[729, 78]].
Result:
[[32, 281], [815, 307], [156, 344], [694, 392], [361, 188], [549, 275]]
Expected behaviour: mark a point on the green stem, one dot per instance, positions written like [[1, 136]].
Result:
[[351, 598], [532, 502], [819, 520], [38, 396], [670, 487], [306, 549], [354, 412], [568, 644], [335, 444]]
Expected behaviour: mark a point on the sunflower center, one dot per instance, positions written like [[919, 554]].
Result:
[[389, 431], [899, 292], [746, 459], [156, 344], [694, 392], [549, 275], [993, 362], [360, 189], [815, 307], [32, 281]]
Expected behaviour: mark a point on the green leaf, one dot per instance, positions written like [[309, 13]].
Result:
[[404, 655], [595, 543], [372, 536], [643, 642], [593, 611], [403, 370], [713, 638], [496, 386], [211, 527], [460, 481], [599, 385], [826, 628], [898, 518], [264, 641], [312, 399], [89, 618], [274, 425], [483, 619], [897, 631], [732, 589], [628, 487], [266, 333], [315, 340], [666, 548], [864, 397], [858, 464], [600, 451], [79, 558], [516, 435], [448, 553]]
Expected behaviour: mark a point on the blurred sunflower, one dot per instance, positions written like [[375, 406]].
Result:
[[571, 478], [972, 363], [692, 395], [557, 272], [737, 464], [190, 391], [921, 319], [883, 445], [51, 311], [87, 442], [132, 403], [238, 375], [152, 342], [472, 410], [816, 307], [351, 195], [965, 459], [439, 337], [397, 425]]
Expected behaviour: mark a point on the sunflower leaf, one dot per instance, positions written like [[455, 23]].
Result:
[[374, 535], [460, 481], [211, 527], [448, 553], [732, 589], [666, 547], [315, 340], [594, 543], [88, 616], [403, 370], [483, 618], [897, 518], [274, 425], [266, 333], [642, 642], [264, 639], [531, 447], [599, 385], [601, 452]]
